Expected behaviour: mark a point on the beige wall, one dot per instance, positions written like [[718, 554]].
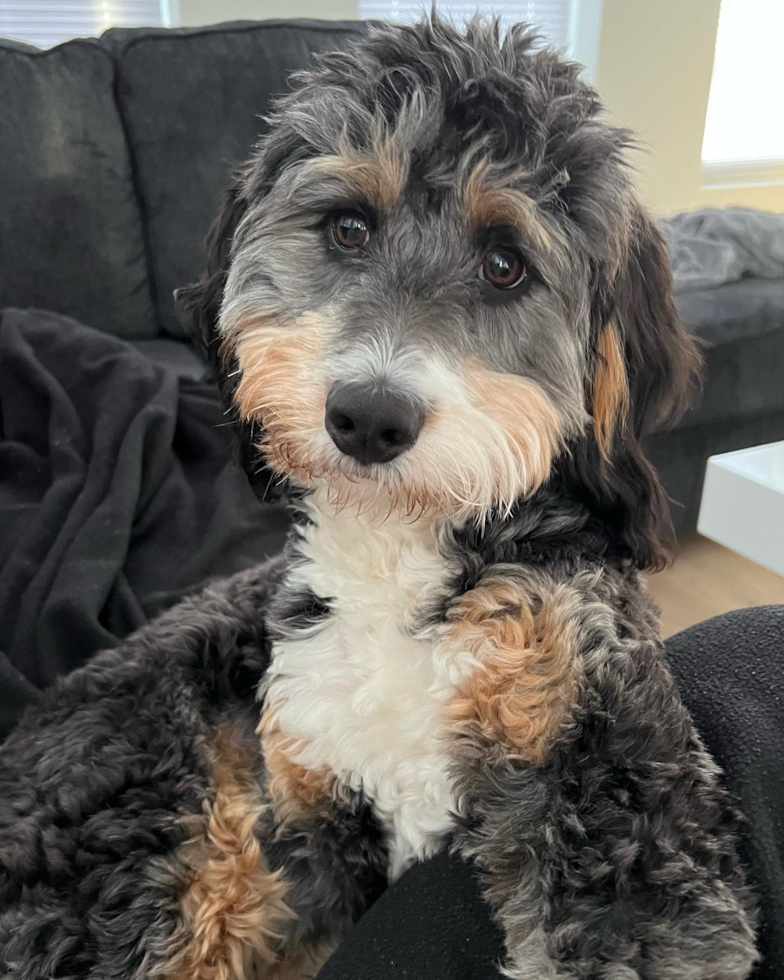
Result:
[[196, 12], [655, 63]]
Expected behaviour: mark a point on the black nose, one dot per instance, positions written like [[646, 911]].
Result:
[[371, 424]]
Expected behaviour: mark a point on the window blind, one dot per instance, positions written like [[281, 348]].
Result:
[[48, 22], [552, 18]]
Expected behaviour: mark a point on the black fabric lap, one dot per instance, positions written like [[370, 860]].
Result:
[[117, 495], [730, 671], [433, 924]]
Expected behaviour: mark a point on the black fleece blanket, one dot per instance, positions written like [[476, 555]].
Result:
[[117, 496]]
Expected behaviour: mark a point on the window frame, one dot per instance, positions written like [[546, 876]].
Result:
[[170, 13], [742, 173], [586, 33]]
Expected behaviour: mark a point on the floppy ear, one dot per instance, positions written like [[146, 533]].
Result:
[[201, 303], [644, 364]]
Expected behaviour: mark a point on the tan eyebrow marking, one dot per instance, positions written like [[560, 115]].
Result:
[[486, 203], [378, 175]]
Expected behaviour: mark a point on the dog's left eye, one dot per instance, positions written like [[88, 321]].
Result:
[[503, 268], [350, 230]]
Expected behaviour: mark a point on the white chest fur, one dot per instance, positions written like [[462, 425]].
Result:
[[363, 692]]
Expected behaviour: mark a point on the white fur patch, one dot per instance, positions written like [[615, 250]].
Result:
[[363, 692]]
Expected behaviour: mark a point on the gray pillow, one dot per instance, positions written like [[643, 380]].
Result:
[[70, 227], [192, 99]]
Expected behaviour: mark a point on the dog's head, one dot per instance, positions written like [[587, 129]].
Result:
[[433, 286]]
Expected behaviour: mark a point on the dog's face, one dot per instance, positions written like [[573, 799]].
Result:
[[404, 320], [440, 290]]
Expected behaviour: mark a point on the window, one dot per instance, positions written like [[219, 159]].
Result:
[[48, 22], [744, 125], [570, 25]]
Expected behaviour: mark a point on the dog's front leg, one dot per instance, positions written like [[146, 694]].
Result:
[[277, 868], [324, 848], [595, 815], [145, 835]]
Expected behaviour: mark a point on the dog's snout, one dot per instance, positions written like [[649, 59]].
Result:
[[372, 425]]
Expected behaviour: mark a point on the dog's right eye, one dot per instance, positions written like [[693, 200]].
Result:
[[503, 268], [350, 230]]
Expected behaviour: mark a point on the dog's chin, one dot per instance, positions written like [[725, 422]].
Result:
[[404, 487], [343, 484]]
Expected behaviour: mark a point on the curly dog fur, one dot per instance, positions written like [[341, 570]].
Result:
[[456, 650]]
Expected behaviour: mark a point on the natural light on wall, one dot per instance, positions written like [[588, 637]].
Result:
[[744, 126], [48, 22]]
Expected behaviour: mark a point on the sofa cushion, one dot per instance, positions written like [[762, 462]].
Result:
[[70, 228], [191, 100], [742, 327], [176, 356], [680, 457]]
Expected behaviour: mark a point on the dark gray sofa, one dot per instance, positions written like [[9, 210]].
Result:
[[114, 156]]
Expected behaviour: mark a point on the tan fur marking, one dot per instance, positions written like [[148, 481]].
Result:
[[531, 423], [234, 910], [526, 682], [379, 176], [281, 387], [610, 388], [294, 790], [486, 203]]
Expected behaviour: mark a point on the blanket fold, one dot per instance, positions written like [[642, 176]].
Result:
[[118, 495]]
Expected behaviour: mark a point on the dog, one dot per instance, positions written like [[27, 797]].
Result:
[[443, 325]]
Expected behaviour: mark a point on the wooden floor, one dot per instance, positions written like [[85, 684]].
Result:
[[708, 579]]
